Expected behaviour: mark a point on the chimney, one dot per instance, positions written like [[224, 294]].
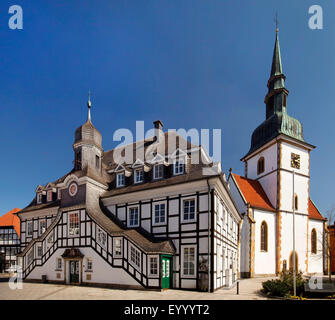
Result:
[[158, 125]]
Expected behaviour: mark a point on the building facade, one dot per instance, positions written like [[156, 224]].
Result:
[[9, 241], [276, 185], [153, 214]]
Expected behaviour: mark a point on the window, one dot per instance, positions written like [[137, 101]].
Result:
[[30, 257], [43, 227], [264, 236], [296, 202], [74, 224], [159, 212], [49, 195], [97, 162], [77, 161], [153, 266], [138, 177], [189, 210], [59, 264], [135, 256], [179, 166], [313, 240], [39, 198], [39, 251], [50, 239], [133, 217], [260, 165], [89, 264], [188, 264], [158, 171], [117, 247], [30, 228], [120, 180], [102, 237]]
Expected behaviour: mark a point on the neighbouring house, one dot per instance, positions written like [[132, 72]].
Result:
[[9, 240], [159, 221], [275, 185]]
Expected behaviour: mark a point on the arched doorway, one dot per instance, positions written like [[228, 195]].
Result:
[[296, 262]]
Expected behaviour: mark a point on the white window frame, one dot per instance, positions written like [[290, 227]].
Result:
[[155, 275], [118, 184], [39, 197], [158, 168], [133, 263], [77, 233], [59, 264], [194, 275], [154, 213], [115, 255], [138, 216], [136, 171], [88, 262], [179, 161], [101, 237], [40, 231], [49, 195], [30, 223], [195, 210]]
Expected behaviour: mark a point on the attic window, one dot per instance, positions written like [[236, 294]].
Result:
[[158, 171], [138, 177], [120, 180], [49, 195], [179, 166], [39, 197]]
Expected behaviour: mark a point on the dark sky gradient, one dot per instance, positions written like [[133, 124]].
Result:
[[190, 63]]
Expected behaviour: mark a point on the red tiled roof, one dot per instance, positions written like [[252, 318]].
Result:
[[313, 211], [253, 193], [9, 219]]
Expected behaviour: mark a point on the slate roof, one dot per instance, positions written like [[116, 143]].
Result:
[[9, 219], [253, 193]]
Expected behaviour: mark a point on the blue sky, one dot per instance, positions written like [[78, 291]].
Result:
[[190, 63]]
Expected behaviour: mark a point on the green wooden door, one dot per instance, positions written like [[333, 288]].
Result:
[[166, 272], [74, 271]]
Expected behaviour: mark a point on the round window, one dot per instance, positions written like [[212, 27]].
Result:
[[73, 188]]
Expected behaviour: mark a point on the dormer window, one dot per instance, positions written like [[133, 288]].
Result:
[[179, 167], [39, 198], [138, 176], [49, 195], [77, 160], [120, 180], [158, 171]]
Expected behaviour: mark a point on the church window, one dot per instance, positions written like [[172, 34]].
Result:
[[260, 165], [120, 180], [117, 247], [97, 162], [296, 202], [264, 236], [133, 217], [313, 240], [74, 223], [77, 160], [135, 256]]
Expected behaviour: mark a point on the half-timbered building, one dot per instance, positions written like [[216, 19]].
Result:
[[164, 219]]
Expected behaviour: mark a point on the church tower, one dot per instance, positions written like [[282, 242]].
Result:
[[279, 159], [87, 146]]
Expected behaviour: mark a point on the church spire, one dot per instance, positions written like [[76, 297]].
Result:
[[276, 97], [89, 104]]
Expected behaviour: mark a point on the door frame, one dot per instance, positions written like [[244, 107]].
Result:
[[67, 270], [170, 258]]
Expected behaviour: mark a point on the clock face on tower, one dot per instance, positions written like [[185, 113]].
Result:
[[73, 188], [295, 161]]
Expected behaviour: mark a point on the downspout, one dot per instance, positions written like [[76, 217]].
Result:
[[209, 238]]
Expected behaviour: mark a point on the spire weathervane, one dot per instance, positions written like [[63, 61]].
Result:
[[277, 22], [89, 104]]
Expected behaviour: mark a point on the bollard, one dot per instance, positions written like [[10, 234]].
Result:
[[238, 287]]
